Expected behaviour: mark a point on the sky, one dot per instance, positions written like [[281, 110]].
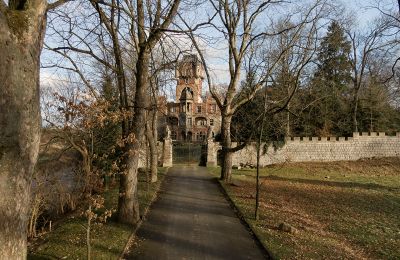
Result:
[[215, 56]]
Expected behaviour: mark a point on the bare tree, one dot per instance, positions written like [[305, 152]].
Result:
[[132, 29], [363, 46], [387, 9], [238, 22]]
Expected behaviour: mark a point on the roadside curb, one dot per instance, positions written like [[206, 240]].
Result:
[[142, 219], [240, 215]]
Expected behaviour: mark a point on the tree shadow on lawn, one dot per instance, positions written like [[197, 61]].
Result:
[[336, 197], [369, 186]]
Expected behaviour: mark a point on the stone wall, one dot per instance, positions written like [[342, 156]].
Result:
[[308, 149]]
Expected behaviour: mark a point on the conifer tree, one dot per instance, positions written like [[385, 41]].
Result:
[[331, 82]]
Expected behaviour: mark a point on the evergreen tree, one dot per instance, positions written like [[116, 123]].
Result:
[[331, 84]]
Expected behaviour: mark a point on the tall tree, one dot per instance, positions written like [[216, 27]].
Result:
[[363, 45], [22, 29], [238, 23], [147, 38], [332, 79], [132, 30]]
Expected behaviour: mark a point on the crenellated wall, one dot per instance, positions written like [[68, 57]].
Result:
[[307, 149]]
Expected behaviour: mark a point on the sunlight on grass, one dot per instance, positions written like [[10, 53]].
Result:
[[338, 209]]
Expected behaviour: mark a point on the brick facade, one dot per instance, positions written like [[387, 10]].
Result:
[[192, 117]]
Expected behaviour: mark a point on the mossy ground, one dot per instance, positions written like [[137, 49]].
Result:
[[68, 239], [342, 210]]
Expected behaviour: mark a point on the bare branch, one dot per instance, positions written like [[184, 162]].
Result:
[[88, 52], [56, 4]]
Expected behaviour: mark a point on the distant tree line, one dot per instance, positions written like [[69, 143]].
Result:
[[350, 88]]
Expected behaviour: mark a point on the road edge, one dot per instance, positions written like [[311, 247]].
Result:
[[142, 219], [243, 220]]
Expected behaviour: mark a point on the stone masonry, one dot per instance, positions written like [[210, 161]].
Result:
[[316, 149], [164, 149]]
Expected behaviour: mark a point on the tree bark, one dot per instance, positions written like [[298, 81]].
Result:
[[152, 142], [355, 111], [226, 171], [155, 138], [21, 36], [128, 203]]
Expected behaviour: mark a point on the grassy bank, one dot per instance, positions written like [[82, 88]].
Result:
[[340, 210], [68, 239]]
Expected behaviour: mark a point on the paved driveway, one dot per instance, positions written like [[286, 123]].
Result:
[[192, 220]]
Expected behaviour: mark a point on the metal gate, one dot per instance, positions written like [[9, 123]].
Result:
[[188, 153]]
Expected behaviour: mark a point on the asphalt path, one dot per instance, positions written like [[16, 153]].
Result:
[[191, 219]]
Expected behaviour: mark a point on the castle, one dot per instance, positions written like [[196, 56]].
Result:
[[192, 117]]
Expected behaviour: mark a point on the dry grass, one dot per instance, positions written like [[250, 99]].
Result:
[[68, 240], [341, 210]]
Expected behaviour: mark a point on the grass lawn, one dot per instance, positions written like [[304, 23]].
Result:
[[68, 239], [340, 210]]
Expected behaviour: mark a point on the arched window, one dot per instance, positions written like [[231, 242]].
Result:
[[173, 120]]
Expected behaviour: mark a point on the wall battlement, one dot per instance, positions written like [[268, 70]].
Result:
[[356, 135], [308, 149]]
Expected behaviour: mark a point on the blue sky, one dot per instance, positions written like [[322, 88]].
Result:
[[215, 56]]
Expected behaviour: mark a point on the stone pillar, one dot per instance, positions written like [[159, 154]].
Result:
[[211, 153], [167, 153]]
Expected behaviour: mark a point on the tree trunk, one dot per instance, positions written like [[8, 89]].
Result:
[[153, 152], [128, 204], [88, 230], [226, 170], [355, 111], [21, 34], [256, 212]]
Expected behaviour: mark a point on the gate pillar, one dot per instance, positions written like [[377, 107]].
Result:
[[167, 152], [212, 150]]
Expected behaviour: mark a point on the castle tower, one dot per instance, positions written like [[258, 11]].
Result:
[[190, 74]]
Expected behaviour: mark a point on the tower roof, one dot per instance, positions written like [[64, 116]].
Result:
[[190, 66]]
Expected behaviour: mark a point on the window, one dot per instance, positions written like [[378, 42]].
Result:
[[173, 121], [198, 109], [172, 109], [189, 121], [173, 135], [201, 136], [213, 108], [211, 121]]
